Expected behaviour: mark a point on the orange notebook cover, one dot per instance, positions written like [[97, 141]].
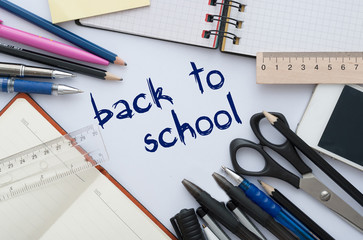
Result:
[[168, 234]]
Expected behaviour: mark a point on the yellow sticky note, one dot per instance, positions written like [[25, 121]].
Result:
[[66, 10]]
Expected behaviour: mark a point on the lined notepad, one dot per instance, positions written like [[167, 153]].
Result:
[[280, 25], [89, 205]]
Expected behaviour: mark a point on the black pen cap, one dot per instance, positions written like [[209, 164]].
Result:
[[218, 211], [186, 225]]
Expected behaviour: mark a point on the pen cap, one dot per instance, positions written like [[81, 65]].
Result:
[[186, 225]]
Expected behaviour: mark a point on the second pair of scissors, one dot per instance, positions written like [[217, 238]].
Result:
[[308, 182]]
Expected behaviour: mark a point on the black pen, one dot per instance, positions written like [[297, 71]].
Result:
[[57, 62], [252, 209], [209, 234], [243, 218], [219, 211], [212, 224]]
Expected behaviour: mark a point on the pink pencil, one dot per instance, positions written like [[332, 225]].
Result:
[[49, 45]]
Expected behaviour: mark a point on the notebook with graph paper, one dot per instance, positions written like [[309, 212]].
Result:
[[245, 26], [86, 205]]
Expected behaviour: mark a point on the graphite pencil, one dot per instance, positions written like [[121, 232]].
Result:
[[294, 210], [61, 32], [315, 157], [57, 62]]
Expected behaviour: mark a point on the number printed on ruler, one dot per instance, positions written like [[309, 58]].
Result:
[[309, 67], [50, 161]]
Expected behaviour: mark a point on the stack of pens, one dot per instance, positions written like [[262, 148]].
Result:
[[91, 53], [10, 84], [247, 201]]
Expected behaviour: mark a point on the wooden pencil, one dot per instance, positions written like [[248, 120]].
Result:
[[294, 210], [61, 32], [315, 157], [57, 62]]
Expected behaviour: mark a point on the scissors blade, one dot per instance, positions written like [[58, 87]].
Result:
[[311, 185]]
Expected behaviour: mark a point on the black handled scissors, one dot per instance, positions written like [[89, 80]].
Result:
[[308, 182]]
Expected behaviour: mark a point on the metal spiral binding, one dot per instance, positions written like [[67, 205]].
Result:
[[228, 3], [224, 20], [233, 37], [211, 18]]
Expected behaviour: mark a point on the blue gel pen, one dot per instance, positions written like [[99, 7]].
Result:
[[16, 85], [272, 208]]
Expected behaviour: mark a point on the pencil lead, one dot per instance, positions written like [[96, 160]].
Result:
[[269, 189], [110, 76], [119, 61], [271, 118]]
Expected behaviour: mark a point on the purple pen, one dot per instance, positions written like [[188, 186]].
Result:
[[49, 45]]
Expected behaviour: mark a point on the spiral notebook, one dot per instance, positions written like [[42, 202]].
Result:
[[245, 26]]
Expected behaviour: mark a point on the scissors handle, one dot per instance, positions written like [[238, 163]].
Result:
[[286, 149], [271, 168]]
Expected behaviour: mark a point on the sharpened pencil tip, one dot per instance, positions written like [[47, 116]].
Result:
[[271, 118], [269, 189], [119, 61], [110, 76]]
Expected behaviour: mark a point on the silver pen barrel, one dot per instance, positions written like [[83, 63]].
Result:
[[18, 70]]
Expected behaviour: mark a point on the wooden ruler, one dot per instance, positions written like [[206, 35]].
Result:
[[309, 67]]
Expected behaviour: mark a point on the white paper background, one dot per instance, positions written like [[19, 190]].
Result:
[[155, 178]]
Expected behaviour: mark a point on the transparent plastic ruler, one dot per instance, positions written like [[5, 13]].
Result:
[[51, 161], [309, 67]]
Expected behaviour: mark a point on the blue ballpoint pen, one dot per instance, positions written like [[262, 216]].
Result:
[[272, 208], [16, 85]]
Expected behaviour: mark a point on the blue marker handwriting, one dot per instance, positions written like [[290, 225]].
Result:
[[159, 99]]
